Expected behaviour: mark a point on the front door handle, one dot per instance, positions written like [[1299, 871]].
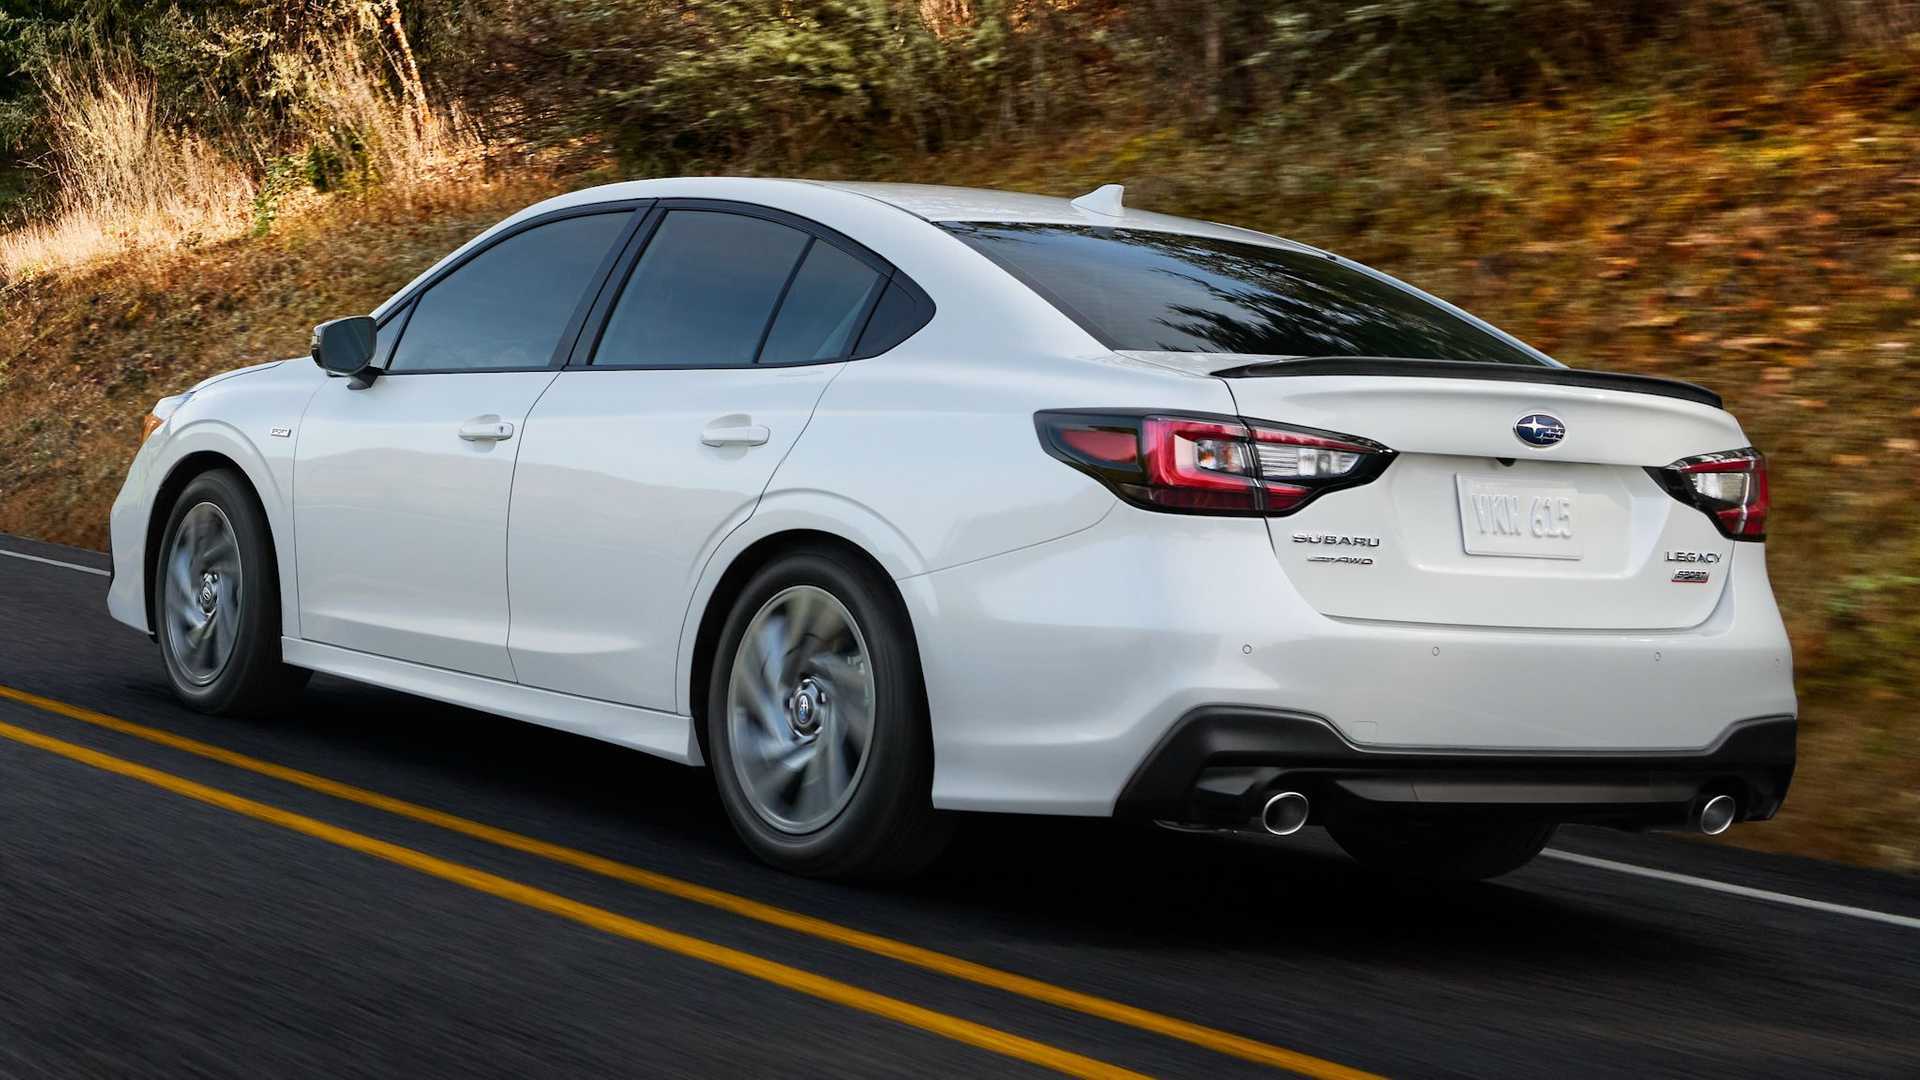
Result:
[[488, 428], [735, 430]]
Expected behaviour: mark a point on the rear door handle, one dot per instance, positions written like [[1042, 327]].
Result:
[[488, 428], [736, 430]]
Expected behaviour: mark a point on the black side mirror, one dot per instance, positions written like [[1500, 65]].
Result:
[[344, 347]]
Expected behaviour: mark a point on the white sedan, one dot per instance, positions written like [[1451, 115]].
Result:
[[887, 501]]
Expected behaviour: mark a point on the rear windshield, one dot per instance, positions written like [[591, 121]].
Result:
[[1172, 292]]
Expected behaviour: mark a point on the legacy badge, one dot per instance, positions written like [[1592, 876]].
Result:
[[1707, 558]]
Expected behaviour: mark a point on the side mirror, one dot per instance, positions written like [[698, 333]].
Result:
[[344, 347]]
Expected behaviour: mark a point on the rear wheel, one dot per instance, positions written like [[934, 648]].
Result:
[[816, 722], [216, 600], [1444, 851]]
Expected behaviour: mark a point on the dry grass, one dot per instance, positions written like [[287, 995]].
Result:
[[126, 181], [352, 114]]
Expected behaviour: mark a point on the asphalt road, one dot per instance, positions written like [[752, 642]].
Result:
[[422, 898]]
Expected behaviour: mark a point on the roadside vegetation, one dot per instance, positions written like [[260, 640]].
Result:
[[1726, 191]]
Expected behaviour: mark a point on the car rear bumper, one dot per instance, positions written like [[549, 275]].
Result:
[[1220, 764], [1053, 672]]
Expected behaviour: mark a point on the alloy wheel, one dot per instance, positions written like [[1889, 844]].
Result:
[[201, 601], [800, 702]]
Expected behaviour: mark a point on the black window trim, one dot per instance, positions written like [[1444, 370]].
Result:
[[780, 301], [615, 283], [402, 308], [401, 314]]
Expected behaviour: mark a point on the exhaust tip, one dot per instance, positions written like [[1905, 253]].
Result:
[[1716, 815], [1284, 814]]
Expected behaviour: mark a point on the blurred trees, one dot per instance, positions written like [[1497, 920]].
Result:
[[695, 84], [233, 72], [682, 85]]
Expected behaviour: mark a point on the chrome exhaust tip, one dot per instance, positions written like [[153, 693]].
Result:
[[1284, 814], [1715, 815]]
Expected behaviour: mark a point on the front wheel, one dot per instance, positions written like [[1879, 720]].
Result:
[[817, 724], [1444, 851], [216, 600]]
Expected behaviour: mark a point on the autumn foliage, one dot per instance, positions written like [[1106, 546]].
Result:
[[1726, 191]]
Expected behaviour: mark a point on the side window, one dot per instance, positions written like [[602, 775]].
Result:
[[702, 292], [898, 316], [507, 306], [823, 308]]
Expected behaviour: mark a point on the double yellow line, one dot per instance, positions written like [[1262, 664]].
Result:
[[952, 1027]]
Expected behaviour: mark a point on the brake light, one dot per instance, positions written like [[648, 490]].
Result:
[[1209, 464], [1730, 487]]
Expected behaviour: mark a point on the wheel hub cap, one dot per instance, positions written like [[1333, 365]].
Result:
[[804, 708]]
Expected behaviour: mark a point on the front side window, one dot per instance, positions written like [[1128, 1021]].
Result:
[[1172, 292], [702, 293], [507, 307]]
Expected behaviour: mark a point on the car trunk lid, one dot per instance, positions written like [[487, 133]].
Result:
[[1473, 525]]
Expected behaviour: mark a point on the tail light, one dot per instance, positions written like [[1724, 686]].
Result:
[[1730, 487], [1209, 464]]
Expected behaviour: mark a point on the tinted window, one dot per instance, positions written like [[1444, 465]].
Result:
[[702, 291], [388, 336], [507, 306], [898, 315], [823, 308], [1178, 293]]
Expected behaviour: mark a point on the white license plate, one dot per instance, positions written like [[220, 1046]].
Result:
[[1527, 521]]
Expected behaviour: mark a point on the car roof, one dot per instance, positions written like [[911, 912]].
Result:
[[939, 202], [930, 202]]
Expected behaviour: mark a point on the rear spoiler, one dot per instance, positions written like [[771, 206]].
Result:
[[1460, 369]]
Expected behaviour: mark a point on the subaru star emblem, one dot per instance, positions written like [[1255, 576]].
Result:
[[1539, 429]]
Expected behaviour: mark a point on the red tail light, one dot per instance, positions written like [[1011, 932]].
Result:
[[1730, 487], [1209, 464]]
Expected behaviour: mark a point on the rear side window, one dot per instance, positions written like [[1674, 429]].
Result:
[[898, 316], [506, 307], [824, 308], [1173, 292], [702, 293]]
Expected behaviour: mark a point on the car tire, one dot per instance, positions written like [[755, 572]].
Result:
[[216, 601], [816, 722], [1443, 851]]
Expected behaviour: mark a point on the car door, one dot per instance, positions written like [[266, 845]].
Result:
[[663, 434], [401, 487]]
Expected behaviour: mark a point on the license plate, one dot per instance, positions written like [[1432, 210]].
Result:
[[1527, 521]]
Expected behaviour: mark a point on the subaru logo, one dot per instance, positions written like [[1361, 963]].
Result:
[[1539, 429]]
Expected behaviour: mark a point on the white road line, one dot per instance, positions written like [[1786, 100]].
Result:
[[1907, 921], [56, 562]]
